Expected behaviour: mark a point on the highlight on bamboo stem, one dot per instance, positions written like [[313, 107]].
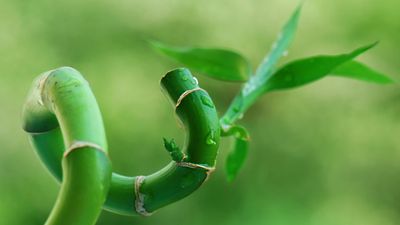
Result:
[[190, 165]]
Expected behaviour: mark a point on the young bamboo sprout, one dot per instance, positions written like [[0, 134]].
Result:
[[188, 170]]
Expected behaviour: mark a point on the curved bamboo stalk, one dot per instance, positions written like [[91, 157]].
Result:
[[145, 194], [61, 99]]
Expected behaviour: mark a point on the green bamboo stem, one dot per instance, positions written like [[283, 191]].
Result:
[[63, 98], [145, 194]]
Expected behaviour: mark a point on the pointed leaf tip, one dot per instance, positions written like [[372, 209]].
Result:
[[357, 70], [285, 38], [304, 71]]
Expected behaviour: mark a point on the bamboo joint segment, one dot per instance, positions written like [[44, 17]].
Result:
[[186, 93], [208, 169], [82, 144], [139, 200]]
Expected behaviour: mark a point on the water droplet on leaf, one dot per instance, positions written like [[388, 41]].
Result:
[[285, 53], [211, 138]]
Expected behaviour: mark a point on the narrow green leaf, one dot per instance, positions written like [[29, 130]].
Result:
[[236, 158], [357, 70], [304, 71], [280, 46], [238, 155], [219, 64]]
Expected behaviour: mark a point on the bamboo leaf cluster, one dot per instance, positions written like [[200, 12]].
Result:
[[233, 67]]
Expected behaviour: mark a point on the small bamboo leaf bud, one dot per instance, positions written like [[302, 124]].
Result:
[[173, 149]]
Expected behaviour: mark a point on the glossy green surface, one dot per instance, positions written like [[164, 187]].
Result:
[[358, 70], [266, 78], [86, 170], [311, 160], [84, 188], [52, 144], [172, 183], [304, 71], [238, 155]]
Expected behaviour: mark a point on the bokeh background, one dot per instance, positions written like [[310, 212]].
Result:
[[324, 154]]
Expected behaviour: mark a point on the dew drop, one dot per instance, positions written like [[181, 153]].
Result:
[[195, 81], [274, 46], [225, 127], [184, 77], [250, 86], [206, 101], [211, 138], [285, 53]]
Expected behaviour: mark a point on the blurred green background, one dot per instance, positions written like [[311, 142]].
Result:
[[324, 154]]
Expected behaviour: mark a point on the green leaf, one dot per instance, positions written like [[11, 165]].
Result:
[[280, 46], [304, 71], [219, 64], [357, 70], [238, 155], [236, 158]]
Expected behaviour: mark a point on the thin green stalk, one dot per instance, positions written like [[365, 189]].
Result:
[[145, 194], [247, 96], [62, 98]]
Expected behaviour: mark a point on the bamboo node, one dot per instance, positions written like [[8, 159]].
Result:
[[186, 93], [208, 169], [82, 144], [139, 200]]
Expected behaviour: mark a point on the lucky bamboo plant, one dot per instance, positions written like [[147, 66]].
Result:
[[65, 127], [61, 116], [230, 66]]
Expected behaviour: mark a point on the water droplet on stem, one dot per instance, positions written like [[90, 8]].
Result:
[[207, 101], [184, 77], [195, 81], [211, 138]]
